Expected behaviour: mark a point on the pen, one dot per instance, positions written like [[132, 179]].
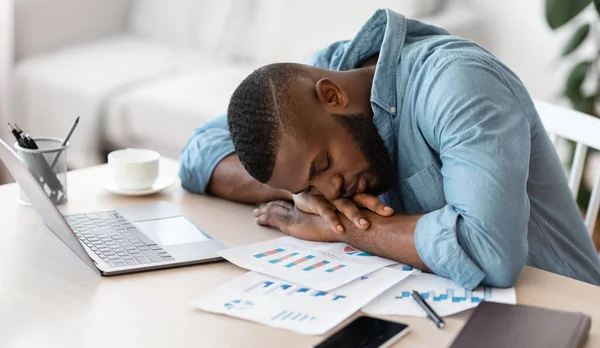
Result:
[[18, 137], [31, 142], [66, 139], [431, 314], [70, 131]]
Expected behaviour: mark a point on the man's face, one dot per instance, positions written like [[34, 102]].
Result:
[[337, 156]]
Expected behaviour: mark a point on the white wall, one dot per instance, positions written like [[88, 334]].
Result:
[[6, 46], [523, 40]]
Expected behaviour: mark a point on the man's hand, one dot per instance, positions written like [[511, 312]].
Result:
[[319, 205], [294, 222], [389, 237]]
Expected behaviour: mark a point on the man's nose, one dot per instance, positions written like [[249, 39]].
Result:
[[330, 186]]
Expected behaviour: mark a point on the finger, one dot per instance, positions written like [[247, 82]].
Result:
[[350, 210], [260, 210], [373, 204], [263, 219], [326, 211], [267, 206], [276, 216], [308, 203], [275, 220], [286, 205]]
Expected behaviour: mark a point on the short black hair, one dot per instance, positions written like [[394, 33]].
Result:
[[256, 119]]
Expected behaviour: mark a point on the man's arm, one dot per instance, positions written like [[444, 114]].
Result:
[[230, 180], [209, 165], [390, 237], [476, 114]]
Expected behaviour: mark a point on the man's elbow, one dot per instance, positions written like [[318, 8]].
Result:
[[504, 272], [188, 181], [190, 163]]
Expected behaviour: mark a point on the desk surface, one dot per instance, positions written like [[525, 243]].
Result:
[[49, 298]]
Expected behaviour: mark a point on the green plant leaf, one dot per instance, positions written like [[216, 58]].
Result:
[[583, 104], [575, 80], [578, 37], [597, 6], [559, 12]]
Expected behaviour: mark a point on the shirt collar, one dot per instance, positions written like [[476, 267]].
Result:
[[383, 33]]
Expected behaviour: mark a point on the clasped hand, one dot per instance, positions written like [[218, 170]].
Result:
[[313, 217]]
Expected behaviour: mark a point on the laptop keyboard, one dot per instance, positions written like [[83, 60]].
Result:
[[115, 240]]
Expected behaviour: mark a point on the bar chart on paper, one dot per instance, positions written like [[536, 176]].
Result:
[[405, 268], [322, 266], [450, 296], [443, 295], [279, 303], [291, 291]]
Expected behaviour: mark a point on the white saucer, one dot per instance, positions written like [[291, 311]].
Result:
[[162, 183]]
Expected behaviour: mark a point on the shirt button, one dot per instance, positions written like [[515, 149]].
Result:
[[393, 109]]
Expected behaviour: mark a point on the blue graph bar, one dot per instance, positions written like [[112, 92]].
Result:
[[283, 258], [304, 317], [303, 290], [296, 316], [285, 286], [407, 268], [278, 315], [263, 284], [320, 293], [269, 253], [450, 296], [287, 315], [337, 297]]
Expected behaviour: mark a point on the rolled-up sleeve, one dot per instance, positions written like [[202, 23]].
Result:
[[207, 146], [471, 115]]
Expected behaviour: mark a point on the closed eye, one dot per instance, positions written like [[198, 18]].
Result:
[[328, 165]]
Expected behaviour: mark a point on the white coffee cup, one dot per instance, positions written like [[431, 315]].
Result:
[[134, 169]]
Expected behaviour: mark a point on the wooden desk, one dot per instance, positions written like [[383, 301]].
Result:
[[49, 298]]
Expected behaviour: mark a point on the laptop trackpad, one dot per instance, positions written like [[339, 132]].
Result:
[[172, 231]]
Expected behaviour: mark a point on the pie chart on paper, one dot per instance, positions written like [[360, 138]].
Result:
[[355, 252]]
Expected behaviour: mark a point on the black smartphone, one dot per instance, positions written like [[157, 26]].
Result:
[[366, 332]]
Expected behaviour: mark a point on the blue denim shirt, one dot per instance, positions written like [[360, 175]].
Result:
[[470, 150]]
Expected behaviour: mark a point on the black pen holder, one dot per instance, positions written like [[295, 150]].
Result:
[[48, 164]]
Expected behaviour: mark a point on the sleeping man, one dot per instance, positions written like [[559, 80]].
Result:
[[406, 142]]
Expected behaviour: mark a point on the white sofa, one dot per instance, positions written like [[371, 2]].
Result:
[[145, 73]]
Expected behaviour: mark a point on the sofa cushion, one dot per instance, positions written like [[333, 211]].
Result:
[[51, 90], [41, 26], [165, 21], [161, 115], [197, 24]]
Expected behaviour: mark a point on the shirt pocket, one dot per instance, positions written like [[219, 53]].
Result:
[[423, 192]]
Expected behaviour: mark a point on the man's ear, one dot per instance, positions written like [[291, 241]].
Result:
[[330, 93]]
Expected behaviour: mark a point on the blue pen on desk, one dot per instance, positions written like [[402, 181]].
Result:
[[431, 314]]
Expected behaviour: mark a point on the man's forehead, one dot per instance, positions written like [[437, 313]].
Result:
[[292, 163]]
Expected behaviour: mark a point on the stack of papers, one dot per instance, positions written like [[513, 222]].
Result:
[[310, 287], [277, 303]]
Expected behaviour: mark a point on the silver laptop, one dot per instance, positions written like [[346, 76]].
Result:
[[125, 240]]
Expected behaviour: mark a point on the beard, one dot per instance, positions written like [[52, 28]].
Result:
[[367, 139]]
